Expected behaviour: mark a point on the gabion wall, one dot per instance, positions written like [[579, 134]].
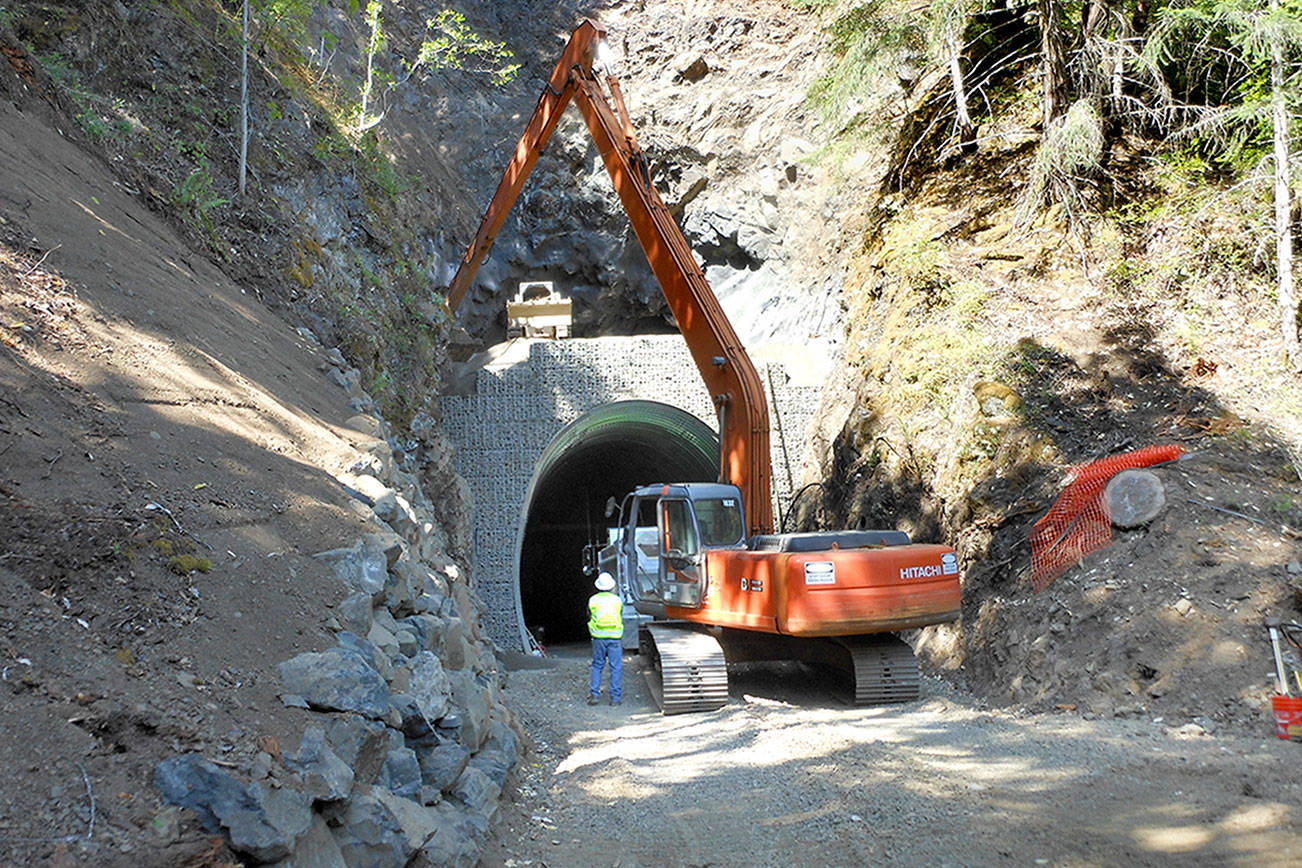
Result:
[[513, 412]]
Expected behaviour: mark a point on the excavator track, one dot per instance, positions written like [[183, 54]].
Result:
[[883, 668], [688, 671]]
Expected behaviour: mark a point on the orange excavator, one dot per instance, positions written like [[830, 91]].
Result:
[[701, 560]]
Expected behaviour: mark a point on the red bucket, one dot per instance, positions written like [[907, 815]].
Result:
[[1288, 716]]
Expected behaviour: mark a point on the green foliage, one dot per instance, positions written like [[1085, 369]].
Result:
[[194, 195], [331, 147], [923, 329], [380, 166], [60, 69], [1070, 153], [1216, 55], [1188, 163], [100, 118], [93, 124], [871, 41], [287, 17], [1288, 509], [186, 564], [375, 43], [450, 43]]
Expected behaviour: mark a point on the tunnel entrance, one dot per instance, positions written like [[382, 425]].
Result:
[[605, 453]]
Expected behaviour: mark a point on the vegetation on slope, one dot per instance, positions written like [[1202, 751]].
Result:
[[328, 223], [1088, 266]]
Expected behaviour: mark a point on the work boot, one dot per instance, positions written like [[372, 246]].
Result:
[[592, 700], [615, 701]]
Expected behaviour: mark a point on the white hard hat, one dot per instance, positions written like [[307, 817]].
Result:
[[605, 582]]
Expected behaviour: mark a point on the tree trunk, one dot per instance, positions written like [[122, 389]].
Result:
[[1054, 61], [1283, 206], [372, 45], [963, 121], [244, 99]]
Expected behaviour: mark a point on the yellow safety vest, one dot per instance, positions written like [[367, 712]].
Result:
[[606, 616]]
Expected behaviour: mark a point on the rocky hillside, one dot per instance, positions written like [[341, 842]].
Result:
[[231, 587], [718, 96], [227, 496]]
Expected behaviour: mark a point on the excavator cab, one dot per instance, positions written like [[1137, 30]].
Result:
[[658, 551]]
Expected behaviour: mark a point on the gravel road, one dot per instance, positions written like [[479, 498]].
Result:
[[785, 776]]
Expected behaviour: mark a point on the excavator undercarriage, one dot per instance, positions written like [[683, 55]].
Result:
[[685, 664]]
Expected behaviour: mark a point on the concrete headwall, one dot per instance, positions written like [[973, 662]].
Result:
[[515, 404]]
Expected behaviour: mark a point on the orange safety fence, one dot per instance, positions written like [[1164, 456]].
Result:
[[1078, 522]]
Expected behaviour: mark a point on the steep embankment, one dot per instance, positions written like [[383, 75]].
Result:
[[992, 346], [175, 454]]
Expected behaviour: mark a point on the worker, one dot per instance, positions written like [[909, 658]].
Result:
[[606, 626]]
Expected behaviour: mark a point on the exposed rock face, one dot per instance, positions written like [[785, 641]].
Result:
[[717, 95]]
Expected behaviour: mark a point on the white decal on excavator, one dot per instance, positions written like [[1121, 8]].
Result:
[[820, 573], [949, 562], [924, 572]]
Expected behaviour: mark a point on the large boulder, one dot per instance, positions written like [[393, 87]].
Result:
[[362, 744], [478, 792], [260, 821], [430, 685], [473, 701], [316, 849], [337, 679], [442, 762], [354, 613], [369, 835], [456, 843], [400, 773], [325, 776], [361, 567], [498, 754]]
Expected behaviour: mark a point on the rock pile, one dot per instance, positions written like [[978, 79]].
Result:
[[410, 745]]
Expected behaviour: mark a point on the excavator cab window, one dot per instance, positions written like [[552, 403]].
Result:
[[721, 522], [681, 559], [678, 540], [644, 556]]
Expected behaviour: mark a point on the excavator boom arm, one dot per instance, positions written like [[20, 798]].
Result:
[[579, 54], [734, 384]]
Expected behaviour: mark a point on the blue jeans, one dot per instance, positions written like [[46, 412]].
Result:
[[612, 651]]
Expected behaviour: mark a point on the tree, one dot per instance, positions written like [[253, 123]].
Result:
[[244, 98], [951, 21], [1053, 62], [374, 43], [1253, 45], [1277, 39], [449, 43]]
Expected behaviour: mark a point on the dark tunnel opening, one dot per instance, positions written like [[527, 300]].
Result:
[[606, 453]]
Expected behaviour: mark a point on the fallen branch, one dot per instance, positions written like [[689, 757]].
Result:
[[41, 260], [1284, 529], [50, 464], [90, 794]]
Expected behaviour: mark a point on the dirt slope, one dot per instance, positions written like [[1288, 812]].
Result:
[[149, 409]]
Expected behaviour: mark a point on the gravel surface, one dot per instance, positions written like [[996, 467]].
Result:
[[783, 775]]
